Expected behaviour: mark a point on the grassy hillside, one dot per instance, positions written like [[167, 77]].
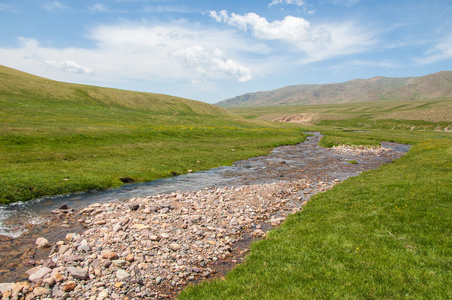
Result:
[[429, 110], [59, 137], [386, 234], [436, 85]]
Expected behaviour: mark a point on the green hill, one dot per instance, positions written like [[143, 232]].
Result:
[[60, 137]]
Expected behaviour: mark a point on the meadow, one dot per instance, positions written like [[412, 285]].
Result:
[[385, 234], [58, 138]]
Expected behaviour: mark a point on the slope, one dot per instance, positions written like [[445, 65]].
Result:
[[436, 85]]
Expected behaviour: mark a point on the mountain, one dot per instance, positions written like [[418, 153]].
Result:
[[358, 90]]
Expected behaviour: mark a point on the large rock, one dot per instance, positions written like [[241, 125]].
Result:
[[42, 242], [78, 273], [40, 274], [6, 287], [121, 274]]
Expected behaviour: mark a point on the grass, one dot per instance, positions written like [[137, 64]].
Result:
[[386, 234], [58, 138]]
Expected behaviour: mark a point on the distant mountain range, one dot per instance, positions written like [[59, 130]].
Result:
[[435, 85]]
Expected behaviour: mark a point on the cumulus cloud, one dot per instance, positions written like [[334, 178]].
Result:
[[290, 29], [318, 42], [204, 63]]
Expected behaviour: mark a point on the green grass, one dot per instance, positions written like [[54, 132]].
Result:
[[58, 138], [386, 234]]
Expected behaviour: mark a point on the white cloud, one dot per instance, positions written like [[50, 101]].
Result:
[[173, 52], [204, 63], [294, 2], [54, 5], [439, 52], [168, 9], [317, 43], [290, 29], [68, 66], [98, 7]]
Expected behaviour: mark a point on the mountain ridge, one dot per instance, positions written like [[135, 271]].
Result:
[[436, 85]]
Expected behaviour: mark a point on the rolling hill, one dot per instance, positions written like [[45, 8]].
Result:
[[436, 85]]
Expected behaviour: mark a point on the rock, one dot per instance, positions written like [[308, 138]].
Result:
[[134, 206], [50, 281], [154, 238], [58, 277], [174, 246], [107, 254], [73, 258], [6, 287], [117, 227], [106, 263], [69, 286], [130, 258], [64, 209], [39, 291], [40, 274], [20, 287], [42, 242], [84, 246], [121, 274], [141, 227], [50, 264], [102, 295], [119, 262], [78, 273]]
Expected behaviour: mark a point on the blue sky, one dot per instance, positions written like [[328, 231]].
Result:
[[213, 50]]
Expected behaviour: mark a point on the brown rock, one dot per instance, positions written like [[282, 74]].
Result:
[[69, 286], [107, 254]]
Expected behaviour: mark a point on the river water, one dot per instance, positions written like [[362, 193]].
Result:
[[306, 160]]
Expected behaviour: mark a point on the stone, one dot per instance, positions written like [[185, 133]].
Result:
[[39, 291], [50, 264], [119, 262], [84, 246], [50, 281], [174, 246], [42, 242], [130, 258], [69, 286], [40, 274], [78, 273], [106, 263], [134, 206], [121, 274], [117, 227], [107, 254], [141, 227], [6, 287], [20, 287], [102, 295], [71, 258], [58, 277]]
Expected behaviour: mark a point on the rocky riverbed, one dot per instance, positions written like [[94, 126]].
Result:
[[151, 247]]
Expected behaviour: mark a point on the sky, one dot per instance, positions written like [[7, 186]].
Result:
[[213, 50]]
